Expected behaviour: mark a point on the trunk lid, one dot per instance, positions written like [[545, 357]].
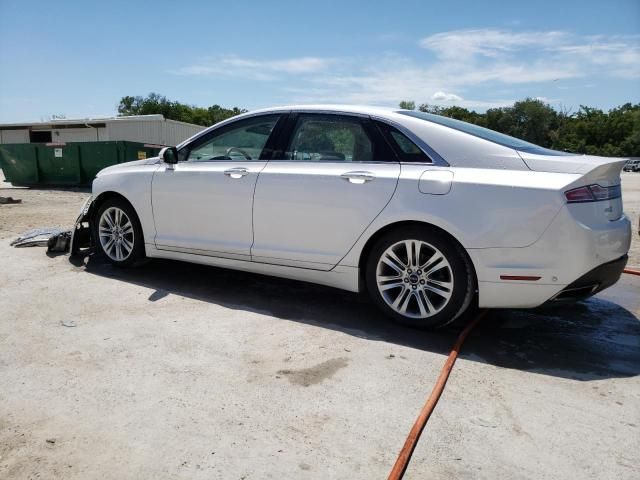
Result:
[[582, 164], [603, 171]]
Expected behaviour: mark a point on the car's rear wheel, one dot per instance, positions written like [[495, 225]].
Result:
[[420, 277], [117, 232]]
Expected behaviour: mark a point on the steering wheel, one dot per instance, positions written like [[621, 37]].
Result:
[[240, 151]]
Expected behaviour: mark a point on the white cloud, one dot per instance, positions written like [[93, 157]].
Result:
[[462, 61], [621, 54], [487, 42], [441, 96], [233, 65], [535, 56]]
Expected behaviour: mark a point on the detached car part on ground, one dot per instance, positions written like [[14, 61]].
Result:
[[423, 212]]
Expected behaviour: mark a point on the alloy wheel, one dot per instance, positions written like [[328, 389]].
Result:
[[414, 278], [116, 234]]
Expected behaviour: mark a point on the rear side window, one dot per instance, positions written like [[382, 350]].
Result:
[[406, 145], [329, 138], [405, 148]]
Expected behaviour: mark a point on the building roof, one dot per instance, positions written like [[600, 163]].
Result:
[[81, 122]]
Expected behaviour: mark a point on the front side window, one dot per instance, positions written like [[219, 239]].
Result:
[[242, 141], [331, 138]]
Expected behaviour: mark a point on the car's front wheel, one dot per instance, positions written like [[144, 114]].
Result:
[[117, 232], [420, 277]]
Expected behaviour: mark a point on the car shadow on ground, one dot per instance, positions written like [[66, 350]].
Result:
[[591, 340]]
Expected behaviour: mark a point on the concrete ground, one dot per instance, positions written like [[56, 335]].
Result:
[[184, 371]]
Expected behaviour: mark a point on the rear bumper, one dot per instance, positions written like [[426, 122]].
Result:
[[565, 256], [593, 281]]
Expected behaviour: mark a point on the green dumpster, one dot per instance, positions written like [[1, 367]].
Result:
[[98, 155], [19, 163], [67, 164], [59, 164]]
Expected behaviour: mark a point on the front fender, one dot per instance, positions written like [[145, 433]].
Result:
[[133, 183]]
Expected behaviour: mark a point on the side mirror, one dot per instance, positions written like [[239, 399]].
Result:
[[169, 155]]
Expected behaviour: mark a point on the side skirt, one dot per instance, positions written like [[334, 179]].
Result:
[[342, 277]]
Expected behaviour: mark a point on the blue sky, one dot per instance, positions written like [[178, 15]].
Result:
[[80, 58]]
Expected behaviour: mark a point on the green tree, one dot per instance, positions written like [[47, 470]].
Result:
[[589, 130], [155, 103], [407, 105]]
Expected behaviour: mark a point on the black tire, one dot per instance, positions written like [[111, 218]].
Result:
[[137, 252], [461, 271]]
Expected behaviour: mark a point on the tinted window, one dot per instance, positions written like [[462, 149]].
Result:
[[484, 133], [406, 145], [243, 140], [406, 150], [329, 138]]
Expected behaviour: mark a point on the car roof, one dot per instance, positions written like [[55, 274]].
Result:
[[380, 112], [354, 109]]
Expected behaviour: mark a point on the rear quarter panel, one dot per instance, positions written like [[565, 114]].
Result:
[[484, 208]]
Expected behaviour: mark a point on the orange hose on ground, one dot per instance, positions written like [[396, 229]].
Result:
[[398, 470], [400, 467]]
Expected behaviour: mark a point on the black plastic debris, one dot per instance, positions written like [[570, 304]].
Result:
[[59, 242]]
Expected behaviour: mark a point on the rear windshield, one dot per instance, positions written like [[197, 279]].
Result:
[[481, 132]]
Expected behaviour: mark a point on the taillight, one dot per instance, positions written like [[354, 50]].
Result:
[[593, 193]]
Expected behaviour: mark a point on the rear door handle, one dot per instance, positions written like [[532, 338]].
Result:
[[237, 172], [358, 177]]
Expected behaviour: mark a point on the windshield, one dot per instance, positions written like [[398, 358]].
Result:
[[481, 132]]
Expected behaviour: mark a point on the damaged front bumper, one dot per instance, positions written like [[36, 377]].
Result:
[[81, 239]]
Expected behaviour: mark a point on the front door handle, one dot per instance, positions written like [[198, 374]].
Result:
[[237, 172], [358, 177]]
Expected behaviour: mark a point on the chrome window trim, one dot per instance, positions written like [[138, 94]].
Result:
[[337, 162], [330, 112], [426, 149], [253, 160]]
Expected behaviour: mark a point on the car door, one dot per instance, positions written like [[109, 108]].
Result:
[[203, 204], [331, 177]]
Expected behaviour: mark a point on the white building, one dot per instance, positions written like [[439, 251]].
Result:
[[151, 129]]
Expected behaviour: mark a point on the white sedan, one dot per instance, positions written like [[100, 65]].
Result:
[[425, 213]]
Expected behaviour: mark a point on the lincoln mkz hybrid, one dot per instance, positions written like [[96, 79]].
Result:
[[427, 214]]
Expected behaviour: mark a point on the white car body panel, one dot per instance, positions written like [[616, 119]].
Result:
[[198, 197], [306, 214], [132, 180], [303, 221]]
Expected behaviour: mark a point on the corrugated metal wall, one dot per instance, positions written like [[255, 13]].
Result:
[[176, 132], [78, 134], [153, 131], [147, 131], [14, 136], [159, 132]]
